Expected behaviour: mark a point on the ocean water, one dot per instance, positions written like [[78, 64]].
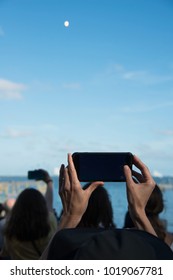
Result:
[[117, 192]]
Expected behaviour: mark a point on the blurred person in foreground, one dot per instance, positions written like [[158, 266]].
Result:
[[5, 209], [31, 223], [71, 242]]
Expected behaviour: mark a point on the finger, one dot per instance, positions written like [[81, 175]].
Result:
[[138, 176], [94, 186], [128, 175], [142, 167], [72, 170], [61, 176], [66, 179]]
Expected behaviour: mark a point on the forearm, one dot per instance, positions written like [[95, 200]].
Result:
[[69, 221], [49, 194], [142, 222]]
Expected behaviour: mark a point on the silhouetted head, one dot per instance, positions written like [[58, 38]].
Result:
[[29, 216], [99, 212], [154, 207], [155, 204]]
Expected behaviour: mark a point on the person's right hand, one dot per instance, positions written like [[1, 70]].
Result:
[[44, 176], [138, 193]]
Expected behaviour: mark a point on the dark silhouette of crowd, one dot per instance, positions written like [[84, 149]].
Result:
[[30, 224], [99, 212], [86, 228]]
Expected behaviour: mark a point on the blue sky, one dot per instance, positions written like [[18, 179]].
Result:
[[105, 83]]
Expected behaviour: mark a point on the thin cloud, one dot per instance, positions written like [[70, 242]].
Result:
[[157, 174], [134, 75], [56, 171], [12, 133], [142, 108], [167, 132], [40, 131], [11, 90], [140, 76], [146, 77], [10, 95], [1, 31], [72, 86]]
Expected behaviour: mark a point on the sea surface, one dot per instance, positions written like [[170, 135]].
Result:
[[12, 186]]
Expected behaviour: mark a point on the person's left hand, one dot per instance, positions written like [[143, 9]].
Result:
[[74, 198]]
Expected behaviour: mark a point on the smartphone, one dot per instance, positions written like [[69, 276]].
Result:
[[106, 167], [35, 175]]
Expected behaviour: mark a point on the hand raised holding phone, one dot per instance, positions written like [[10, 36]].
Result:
[[39, 175], [74, 197], [139, 193]]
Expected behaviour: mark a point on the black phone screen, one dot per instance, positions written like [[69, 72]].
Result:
[[35, 175], [107, 167]]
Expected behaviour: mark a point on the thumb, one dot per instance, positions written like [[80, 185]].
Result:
[[94, 186]]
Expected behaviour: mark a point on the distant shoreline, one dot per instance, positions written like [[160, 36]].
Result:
[[12, 186], [166, 186]]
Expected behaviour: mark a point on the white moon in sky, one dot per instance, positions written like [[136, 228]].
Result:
[[66, 23]]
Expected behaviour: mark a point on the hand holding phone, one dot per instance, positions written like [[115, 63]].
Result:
[[39, 174]]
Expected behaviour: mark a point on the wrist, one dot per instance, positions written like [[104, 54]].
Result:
[[69, 221], [48, 181], [137, 214]]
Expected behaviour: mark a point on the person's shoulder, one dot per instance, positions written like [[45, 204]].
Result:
[[83, 243], [53, 221], [2, 222]]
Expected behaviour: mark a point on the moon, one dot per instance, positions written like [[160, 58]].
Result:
[[66, 23]]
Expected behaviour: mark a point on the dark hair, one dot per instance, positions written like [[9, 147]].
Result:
[[28, 219], [99, 211], [154, 207], [2, 209]]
